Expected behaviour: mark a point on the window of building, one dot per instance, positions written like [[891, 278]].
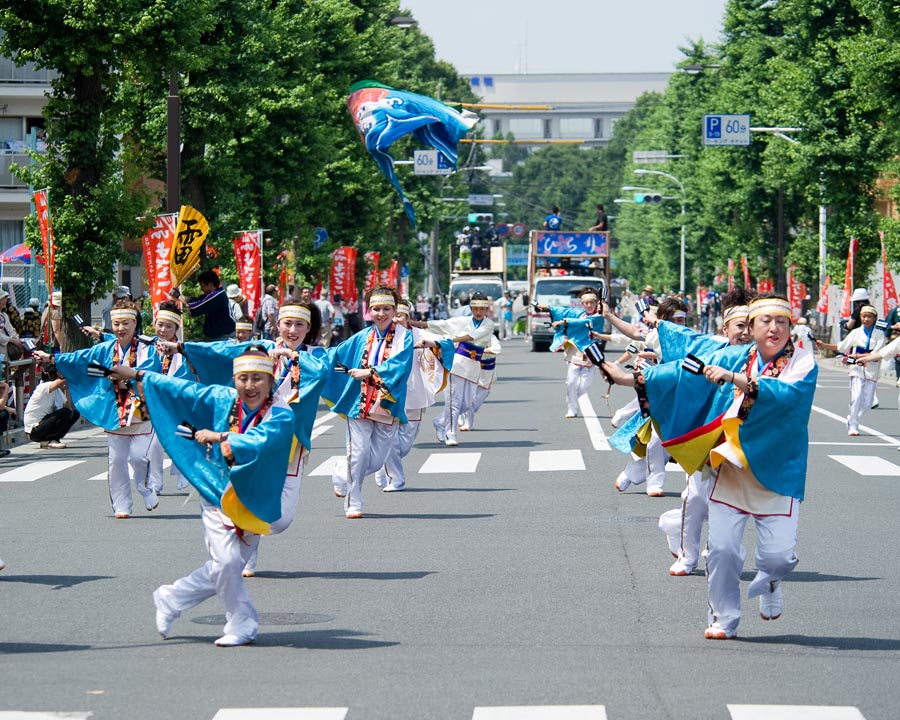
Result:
[[576, 128], [526, 128], [12, 232], [11, 128], [548, 129], [498, 127], [598, 127]]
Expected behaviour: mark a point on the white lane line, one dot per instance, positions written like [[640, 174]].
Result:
[[794, 712], [326, 417], [592, 422], [319, 430], [451, 462], [541, 712], [335, 713], [555, 460], [868, 465], [850, 444], [167, 463], [25, 715], [325, 469], [870, 431], [37, 470]]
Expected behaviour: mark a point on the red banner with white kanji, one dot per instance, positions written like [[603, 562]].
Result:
[[342, 279], [157, 244], [371, 260], [248, 259], [848, 278], [765, 285], [890, 290], [746, 268], [795, 294], [730, 274], [42, 208], [822, 305]]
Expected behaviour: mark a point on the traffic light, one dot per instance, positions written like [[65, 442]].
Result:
[[645, 198], [481, 218]]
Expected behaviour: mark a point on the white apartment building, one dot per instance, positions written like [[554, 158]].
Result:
[[582, 106]]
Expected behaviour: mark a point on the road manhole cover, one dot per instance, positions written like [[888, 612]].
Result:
[[270, 619]]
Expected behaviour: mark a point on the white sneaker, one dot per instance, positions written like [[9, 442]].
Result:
[[571, 414], [395, 488], [381, 480], [56, 445], [622, 482], [771, 604], [451, 440]]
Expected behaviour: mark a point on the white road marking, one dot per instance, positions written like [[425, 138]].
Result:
[[326, 417], [794, 712], [541, 712], [450, 462], [23, 715], [319, 430], [36, 470], [851, 444], [592, 422], [868, 465], [555, 460], [870, 431], [326, 468], [336, 713]]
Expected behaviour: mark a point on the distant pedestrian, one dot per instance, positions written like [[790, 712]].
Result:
[[50, 414], [213, 306], [602, 222], [553, 221]]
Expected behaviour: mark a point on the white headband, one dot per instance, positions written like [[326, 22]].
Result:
[[770, 306], [168, 315], [382, 299], [589, 297], [480, 303], [123, 314], [253, 363], [297, 312]]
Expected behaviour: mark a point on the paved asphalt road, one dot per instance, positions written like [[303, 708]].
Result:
[[493, 584]]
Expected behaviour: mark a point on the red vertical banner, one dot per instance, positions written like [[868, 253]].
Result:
[[394, 274], [795, 294], [746, 268], [764, 285], [730, 274], [848, 278], [822, 305], [371, 260], [249, 266], [45, 222], [342, 279], [157, 244], [890, 290]]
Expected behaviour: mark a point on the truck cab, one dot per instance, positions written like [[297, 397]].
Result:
[[560, 264]]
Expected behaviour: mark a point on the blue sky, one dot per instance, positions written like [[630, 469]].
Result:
[[504, 36]]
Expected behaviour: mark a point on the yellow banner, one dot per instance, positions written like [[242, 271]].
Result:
[[189, 238]]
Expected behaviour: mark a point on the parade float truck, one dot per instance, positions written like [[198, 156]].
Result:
[[489, 279], [560, 264]]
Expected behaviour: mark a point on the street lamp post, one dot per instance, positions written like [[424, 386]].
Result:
[[643, 171]]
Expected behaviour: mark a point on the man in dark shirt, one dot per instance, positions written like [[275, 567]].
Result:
[[217, 322]]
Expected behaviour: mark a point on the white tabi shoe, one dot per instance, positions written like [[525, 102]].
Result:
[[571, 414], [682, 568], [622, 482], [717, 632], [234, 641], [451, 440], [163, 619], [441, 433], [151, 501], [771, 604], [391, 487], [381, 480]]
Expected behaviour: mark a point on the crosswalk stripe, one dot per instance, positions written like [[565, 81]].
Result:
[[793, 712], [592, 422], [868, 465], [865, 428], [555, 460], [167, 463], [320, 430], [326, 467], [451, 462], [37, 470], [335, 713], [541, 712], [23, 715]]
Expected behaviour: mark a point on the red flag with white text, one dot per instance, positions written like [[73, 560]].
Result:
[[848, 278], [890, 290], [342, 279], [248, 259], [746, 268], [157, 244], [45, 223], [372, 278], [822, 305], [794, 294]]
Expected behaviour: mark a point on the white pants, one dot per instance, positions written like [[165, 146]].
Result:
[[862, 397], [157, 474], [129, 460], [776, 537], [578, 380], [683, 525], [220, 575], [468, 419], [392, 471], [368, 444], [650, 468], [458, 398], [290, 498]]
